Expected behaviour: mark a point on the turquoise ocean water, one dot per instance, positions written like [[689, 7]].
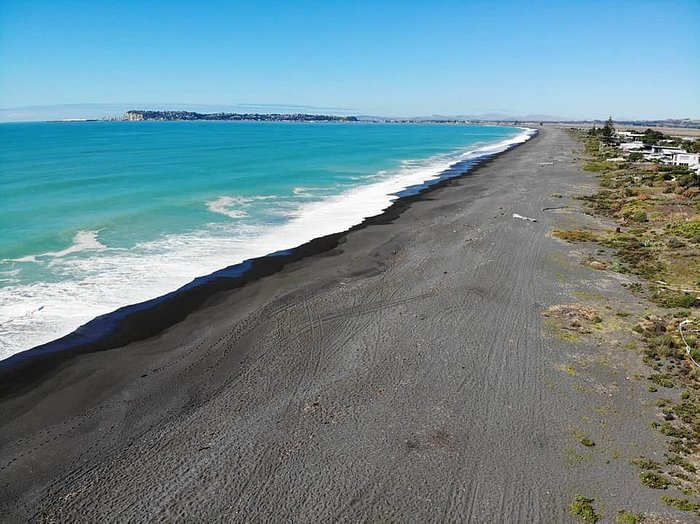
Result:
[[98, 215]]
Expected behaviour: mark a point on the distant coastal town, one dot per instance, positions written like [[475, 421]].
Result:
[[170, 116], [140, 115]]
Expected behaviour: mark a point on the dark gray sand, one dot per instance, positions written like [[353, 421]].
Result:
[[406, 375]]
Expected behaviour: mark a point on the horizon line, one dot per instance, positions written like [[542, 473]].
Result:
[[112, 109]]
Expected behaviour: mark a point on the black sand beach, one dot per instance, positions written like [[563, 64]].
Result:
[[404, 372]]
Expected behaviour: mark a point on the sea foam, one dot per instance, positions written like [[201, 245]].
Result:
[[222, 205], [82, 241]]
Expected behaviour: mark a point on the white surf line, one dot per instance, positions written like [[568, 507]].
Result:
[[23, 315], [101, 284]]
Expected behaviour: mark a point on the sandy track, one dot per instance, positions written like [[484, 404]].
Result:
[[404, 376]]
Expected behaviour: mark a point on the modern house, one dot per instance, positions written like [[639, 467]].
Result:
[[630, 136], [685, 159], [662, 153], [631, 146]]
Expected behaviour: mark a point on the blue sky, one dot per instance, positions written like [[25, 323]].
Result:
[[571, 59]]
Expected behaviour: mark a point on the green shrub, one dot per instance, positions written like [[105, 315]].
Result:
[[675, 460], [654, 480], [599, 166], [688, 230], [674, 243], [662, 380], [674, 299], [625, 517], [583, 507], [674, 431], [640, 216], [661, 346], [681, 504], [646, 463]]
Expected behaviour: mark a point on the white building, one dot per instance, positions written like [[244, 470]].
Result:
[[685, 159], [631, 146], [629, 136], [663, 154], [665, 150]]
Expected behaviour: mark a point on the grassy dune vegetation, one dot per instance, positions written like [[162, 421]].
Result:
[[655, 236]]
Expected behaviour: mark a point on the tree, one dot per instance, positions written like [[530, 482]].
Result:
[[608, 129], [652, 137], [693, 147]]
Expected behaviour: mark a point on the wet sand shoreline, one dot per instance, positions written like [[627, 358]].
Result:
[[147, 319]]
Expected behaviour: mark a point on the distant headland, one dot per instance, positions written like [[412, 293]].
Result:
[[141, 116]]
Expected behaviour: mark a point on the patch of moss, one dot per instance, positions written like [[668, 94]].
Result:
[[554, 329], [568, 369], [625, 517], [576, 235], [583, 507], [589, 295]]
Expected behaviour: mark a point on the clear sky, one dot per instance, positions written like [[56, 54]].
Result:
[[565, 58]]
